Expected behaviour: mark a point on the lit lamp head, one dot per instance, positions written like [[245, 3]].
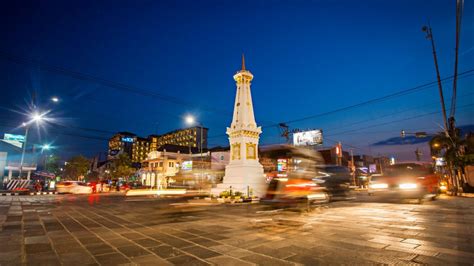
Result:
[[46, 147], [37, 117], [190, 120], [55, 99]]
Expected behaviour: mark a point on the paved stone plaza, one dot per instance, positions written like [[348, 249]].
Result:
[[112, 230]]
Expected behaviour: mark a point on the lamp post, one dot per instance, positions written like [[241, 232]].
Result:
[[27, 127], [35, 117], [190, 120]]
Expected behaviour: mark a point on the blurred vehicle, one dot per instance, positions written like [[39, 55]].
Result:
[[74, 187], [294, 192], [443, 186], [336, 180], [406, 181], [296, 187], [124, 187]]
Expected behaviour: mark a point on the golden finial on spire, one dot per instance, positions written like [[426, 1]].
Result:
[[243, 61]]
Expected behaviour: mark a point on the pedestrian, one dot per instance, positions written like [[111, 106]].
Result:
[[37, 186]]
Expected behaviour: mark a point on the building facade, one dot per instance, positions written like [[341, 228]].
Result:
[[122, 142], [188, 137], [138, 148]]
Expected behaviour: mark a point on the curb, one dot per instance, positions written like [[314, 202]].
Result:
[[465, 195], [27, 194]]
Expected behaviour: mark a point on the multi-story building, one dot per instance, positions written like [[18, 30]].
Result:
[[121, 142], [135, 147], [188, 137], [138, 148]]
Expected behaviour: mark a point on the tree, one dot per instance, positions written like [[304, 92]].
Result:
[[122, 167], [457, 153], [76, 167], [52, 164]]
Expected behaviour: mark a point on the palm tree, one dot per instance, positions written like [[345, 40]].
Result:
[[458, 153]]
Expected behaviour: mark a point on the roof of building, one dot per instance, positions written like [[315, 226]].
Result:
[[125, 133], [181, 129], [219, 148], [181, 149]]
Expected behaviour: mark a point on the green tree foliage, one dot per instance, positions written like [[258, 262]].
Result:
[[122, 167], [52, 164], [76, 167]]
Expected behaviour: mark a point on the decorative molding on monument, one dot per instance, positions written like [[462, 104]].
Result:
[[235, 151], [251, 151], [244, 133]]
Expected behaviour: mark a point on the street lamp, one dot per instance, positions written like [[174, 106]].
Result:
[[55, 99], [45, 147], [190, 120], [35, 118]]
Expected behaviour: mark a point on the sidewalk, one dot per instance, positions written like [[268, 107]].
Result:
[[467, 195]]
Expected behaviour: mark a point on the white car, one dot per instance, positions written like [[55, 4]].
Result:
[[74, 187]]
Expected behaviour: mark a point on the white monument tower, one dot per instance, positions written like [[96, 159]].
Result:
[[244, 172]]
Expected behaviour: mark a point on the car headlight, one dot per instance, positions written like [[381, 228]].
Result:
[[407, 186], [379, 185]]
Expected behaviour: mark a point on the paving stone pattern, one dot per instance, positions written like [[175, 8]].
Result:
[[113, 230]]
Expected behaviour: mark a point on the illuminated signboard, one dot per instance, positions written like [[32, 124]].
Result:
[[372, 168], [19, 138], [308, 138], [114, 152], [187, 165], [127, 139], [282, 165]]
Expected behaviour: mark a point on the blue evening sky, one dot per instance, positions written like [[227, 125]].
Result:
[[308, 57]]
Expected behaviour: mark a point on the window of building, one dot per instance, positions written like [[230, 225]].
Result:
[[171, 164], [161, 164], [222, 157]]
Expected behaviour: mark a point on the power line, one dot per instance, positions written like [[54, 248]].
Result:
[[465, 74], [103, 81], [391, 114], [383, 98], [396, 121]]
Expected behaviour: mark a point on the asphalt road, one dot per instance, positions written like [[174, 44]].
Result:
[[113, 229]]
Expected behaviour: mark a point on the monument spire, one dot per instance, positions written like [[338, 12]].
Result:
[[244, 172]]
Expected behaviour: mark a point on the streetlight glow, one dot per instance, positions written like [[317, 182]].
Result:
[[37, 117], [46, 147], [55, 99], [190, 120]]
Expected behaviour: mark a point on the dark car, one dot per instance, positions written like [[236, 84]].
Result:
[[406, 181], [336, 180]]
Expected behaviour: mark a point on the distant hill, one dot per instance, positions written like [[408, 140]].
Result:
[[410, 140]]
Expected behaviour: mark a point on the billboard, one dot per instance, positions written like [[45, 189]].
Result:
[[308, 138], [13, 137], [187, 165], [282, 165]]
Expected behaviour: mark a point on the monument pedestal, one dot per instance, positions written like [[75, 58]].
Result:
[[243, 177]]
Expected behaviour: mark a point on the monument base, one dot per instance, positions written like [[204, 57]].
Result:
[[243, 178]]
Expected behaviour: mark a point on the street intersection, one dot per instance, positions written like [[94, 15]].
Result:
[[113, 229]]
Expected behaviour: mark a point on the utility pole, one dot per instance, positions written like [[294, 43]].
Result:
[[418, 154], [429, 36], [459, 9], [353, 168]]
